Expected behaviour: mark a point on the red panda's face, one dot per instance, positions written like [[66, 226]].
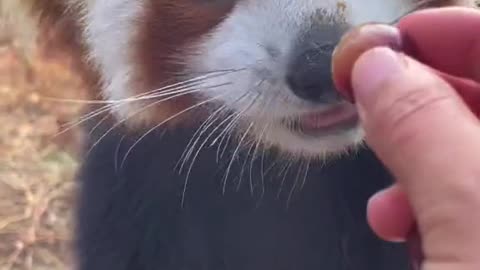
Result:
[[266, 62]]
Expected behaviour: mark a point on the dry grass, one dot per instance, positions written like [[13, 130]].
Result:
[[36, 167]]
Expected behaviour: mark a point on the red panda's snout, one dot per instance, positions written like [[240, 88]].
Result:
[[257, 68]]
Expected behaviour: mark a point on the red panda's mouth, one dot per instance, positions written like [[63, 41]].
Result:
[[335, 119]]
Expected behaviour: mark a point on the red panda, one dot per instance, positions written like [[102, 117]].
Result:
[[252, 76], [133, 47]]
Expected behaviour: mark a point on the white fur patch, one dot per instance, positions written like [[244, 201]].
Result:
[[246, 40], [110, 26], [256, 38]]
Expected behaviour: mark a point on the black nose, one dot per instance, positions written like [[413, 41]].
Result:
[[309, 72], [309, 76]]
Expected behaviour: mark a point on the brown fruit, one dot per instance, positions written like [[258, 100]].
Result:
[[355, 43]]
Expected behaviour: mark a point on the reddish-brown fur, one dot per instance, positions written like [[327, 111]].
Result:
[[59, 30], [165, 31]]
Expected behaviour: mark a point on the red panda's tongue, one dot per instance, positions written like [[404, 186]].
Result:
[[334, 116]]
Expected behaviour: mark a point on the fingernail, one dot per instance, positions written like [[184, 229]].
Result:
[[372, 70]]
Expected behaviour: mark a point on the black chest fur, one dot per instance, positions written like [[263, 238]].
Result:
[[266, 214]]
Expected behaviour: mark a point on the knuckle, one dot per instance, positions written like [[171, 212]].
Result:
[[414, 103], [406, 113]]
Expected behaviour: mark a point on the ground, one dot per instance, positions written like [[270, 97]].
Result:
[[37, 161]]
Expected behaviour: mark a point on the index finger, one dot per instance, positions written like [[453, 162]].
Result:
[[447, 39]]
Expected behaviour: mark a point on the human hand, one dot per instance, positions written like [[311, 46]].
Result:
[[419, 111]]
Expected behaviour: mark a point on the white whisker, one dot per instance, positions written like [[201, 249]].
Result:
[[144, 95], [175, 88], [254, 155], [252, 147], [197, 135], [204, 127], [166, 120], [139, 111], [198, 151], [205, 141], [228, 129], [284, 178], [307, 168], [234, 155], [117, 150], [78, 122], [98, 124], [294, 187]]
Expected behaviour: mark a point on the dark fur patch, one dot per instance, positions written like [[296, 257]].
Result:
[[131, 217]]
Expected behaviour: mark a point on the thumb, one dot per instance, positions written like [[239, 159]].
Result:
[[430, 140]]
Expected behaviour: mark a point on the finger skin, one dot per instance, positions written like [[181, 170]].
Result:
[[366, 37], [430, 140], [447, 39], [389, 214], [468, 90]]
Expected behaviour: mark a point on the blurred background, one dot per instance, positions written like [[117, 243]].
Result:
[[38, 158], [39, 146]]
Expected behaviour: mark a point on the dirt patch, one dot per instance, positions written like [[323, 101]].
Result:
[[37, 164]]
